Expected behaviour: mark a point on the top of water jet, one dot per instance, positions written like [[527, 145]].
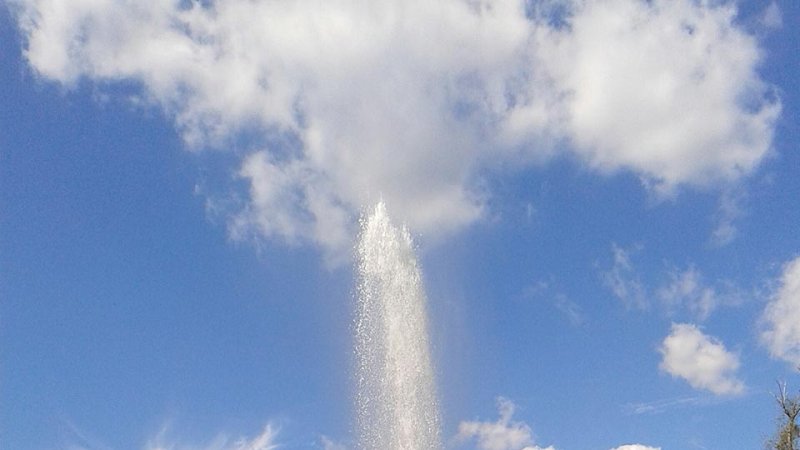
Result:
[[397, 405]]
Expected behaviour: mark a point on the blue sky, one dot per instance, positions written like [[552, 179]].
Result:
[[604, 195]]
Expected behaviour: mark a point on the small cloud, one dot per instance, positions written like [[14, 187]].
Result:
[[504, 434], [772, 17], [701, 360], [780, 320], [623, 279]]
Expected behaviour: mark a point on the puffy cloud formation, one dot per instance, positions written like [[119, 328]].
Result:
[[781, 317], [660, 87], [410, 100], [701, 360], [264, 441], [501, 435], [636, 447]]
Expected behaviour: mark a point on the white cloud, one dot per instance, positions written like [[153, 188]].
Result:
[[687, 289], [504, 434], [701, 360], [781, 318], [667, 88], [624, 281], [636, 447], [264, 441], [410, 100]]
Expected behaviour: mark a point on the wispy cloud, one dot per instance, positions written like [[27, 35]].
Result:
[[728, 212], [571, 310], [547, 291], [329, 444], [660, 406], [266, 440], [636, 447], [772, 17], [80, 439], [678, 290], [623, 279], [686, 289]]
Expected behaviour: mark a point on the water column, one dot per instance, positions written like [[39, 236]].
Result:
[[396, 399]]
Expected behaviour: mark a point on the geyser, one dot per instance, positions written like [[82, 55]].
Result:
[[396, 399]]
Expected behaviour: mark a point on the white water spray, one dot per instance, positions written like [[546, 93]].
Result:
[[396, 400]]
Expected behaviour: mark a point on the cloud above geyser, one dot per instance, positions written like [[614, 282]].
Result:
[[411, 101], [781, 318], [701, 360], [504, 434]]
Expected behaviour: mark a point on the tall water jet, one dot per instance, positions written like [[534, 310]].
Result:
[[396, 399]]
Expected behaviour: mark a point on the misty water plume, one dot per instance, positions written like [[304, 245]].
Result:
[[396, 399]]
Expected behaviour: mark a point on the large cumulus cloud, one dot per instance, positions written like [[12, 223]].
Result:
[[411, 100]]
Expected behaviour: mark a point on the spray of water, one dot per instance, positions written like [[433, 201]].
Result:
[[396, 399]]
